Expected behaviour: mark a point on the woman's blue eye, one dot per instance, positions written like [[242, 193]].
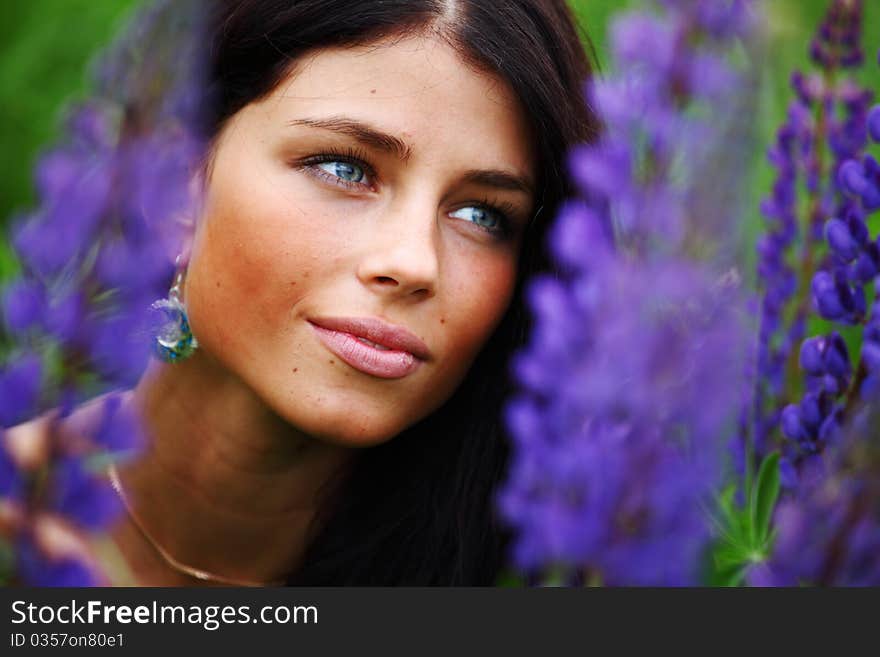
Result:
[[483, 217], [346, 171]]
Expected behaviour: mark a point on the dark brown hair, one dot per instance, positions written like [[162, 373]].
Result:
[[419, 509]]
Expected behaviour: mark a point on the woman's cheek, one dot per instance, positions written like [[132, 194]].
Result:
[[253, 251], [481, 299], [224, 284]]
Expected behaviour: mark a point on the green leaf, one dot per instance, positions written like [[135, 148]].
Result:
[[729, 576], [726, 555], [726, 502], [727, 564], [732, 523], [744, 534], [764, 499]]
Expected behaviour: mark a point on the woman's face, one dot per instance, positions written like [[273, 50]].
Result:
[[386, 184]]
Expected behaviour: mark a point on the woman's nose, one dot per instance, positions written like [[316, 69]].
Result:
[[401, 258]]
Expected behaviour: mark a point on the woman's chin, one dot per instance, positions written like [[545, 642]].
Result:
[[347, 427], [356, 435]]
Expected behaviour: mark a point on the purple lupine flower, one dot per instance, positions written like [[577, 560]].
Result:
[[828, 116], [612, 474], [874, 123], [635, 356], [837, 43], [828, 524], [862, 180], [24, 305], [835, 299], [66, 317], [121, 431], [36, 568], [870, 355], [19, 390], [777, 275], [11, 481], [114, 200], [828, 533], [64, 228], [841, 239], [80, 495]]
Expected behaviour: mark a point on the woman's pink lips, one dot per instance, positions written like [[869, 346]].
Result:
[[385, 364]]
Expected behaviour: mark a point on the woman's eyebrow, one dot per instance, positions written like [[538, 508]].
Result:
[[499, 179], [372, 136], [363, 132]]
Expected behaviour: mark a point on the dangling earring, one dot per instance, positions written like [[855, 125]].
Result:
[[173, 340]]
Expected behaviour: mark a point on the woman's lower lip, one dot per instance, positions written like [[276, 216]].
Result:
[[384, 364]]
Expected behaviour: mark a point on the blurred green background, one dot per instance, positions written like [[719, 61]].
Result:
[[47, 45]]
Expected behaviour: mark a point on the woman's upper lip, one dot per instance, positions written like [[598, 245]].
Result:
[[378, 331]]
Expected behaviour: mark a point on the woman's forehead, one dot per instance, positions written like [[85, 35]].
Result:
[[419, 89]]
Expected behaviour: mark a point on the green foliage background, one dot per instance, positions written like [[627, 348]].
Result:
[[46, 46]]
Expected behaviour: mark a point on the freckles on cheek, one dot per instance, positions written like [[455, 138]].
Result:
[[243, 268]]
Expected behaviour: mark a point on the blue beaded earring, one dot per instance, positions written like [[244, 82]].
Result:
[[173, 340]]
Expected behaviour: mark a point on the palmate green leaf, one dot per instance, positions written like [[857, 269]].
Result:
[[726, 502], [729, 576], [745, 533], [726, 565], [731, 525], [734, 524], [727, 555], [763, 500]]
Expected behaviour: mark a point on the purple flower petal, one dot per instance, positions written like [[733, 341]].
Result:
[[37, 569], [24, 305], [20, 390], [86, 499], [874, 123]]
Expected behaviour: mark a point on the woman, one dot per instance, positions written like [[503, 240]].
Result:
[[377, 186]]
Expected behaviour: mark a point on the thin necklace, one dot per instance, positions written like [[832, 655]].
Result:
[[171, 561]]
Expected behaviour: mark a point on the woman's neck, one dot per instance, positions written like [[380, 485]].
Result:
[[225, 485]]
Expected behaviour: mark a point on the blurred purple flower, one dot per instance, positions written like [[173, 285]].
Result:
[[79, 494], [828, 529], [64, 228], [11, 482], [38, 569], [115, 200], [614, 455], [634, 363], [20, 385], [66, 317], [874, 123], [121, 432], [24, 305]]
